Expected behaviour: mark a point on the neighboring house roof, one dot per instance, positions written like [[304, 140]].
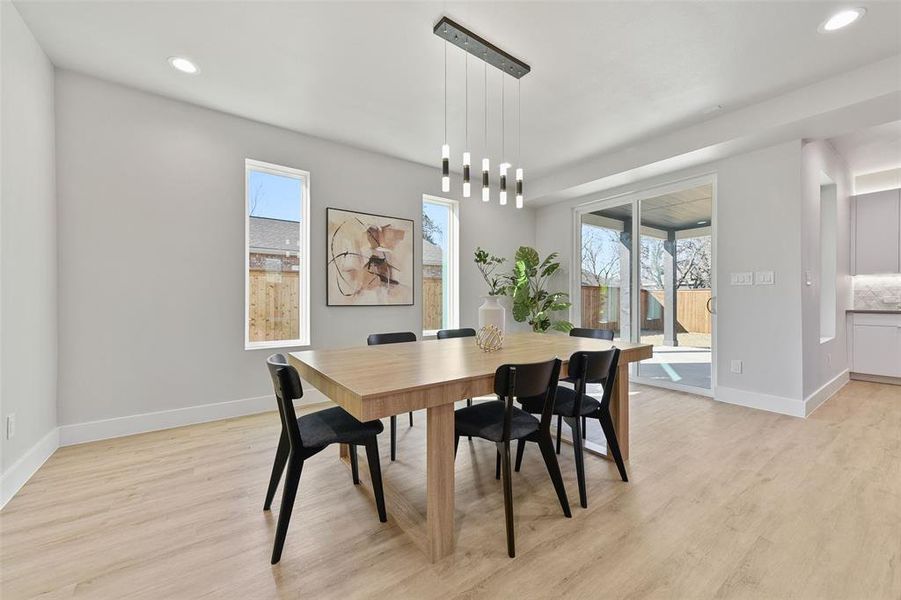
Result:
[[431, 253], [272, 236]]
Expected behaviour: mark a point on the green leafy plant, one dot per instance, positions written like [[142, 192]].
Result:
[[488, 264], [528, 287]]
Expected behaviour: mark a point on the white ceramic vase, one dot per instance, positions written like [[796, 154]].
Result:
[[492, 313]]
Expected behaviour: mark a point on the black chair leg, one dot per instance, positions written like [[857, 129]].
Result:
[[520, 447], [375, 471], [411, 419], [354, 466], [393, 436], [504, 455], [584, 428], [559, 431], [278, 467], [292, 479], [612, 444], [575, 424], [497, 466], [469, 403], [553, 469]]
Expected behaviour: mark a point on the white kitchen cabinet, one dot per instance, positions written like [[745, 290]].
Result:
[[877, 232], [876, 345]]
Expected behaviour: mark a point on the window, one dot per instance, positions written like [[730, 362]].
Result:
[[440, 259], [276, 256], [828, 257]]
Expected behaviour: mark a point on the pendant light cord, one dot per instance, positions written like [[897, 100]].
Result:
[[519, 122], [445, 87], [467, 99], [485, 86]]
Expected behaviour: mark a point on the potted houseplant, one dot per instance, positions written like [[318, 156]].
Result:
[[532, 302], [491, 312]]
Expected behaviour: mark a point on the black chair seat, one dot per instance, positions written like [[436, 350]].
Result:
[[566, 397], [335, 426], [486, 420]]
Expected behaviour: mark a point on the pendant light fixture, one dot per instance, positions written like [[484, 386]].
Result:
[[518, 143], [482, 49], [502, 169], [445, 149], [485, 162], [466, 155]]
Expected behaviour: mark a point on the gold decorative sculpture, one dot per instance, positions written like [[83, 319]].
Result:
[[490, 338]]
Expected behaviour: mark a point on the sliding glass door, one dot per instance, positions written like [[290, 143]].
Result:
[[647, 274]]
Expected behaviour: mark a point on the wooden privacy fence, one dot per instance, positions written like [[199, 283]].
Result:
[[691, 309], [432, 303], [273, 305]]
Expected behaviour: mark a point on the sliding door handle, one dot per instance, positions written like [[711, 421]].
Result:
[[709, 304]]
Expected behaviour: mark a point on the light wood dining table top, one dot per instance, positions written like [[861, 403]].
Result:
[[358, 377]]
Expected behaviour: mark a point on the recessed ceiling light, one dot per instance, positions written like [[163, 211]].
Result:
[[183, 64], [842, 18], [702, 222]]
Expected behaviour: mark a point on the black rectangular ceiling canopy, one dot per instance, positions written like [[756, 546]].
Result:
[[480, 48]]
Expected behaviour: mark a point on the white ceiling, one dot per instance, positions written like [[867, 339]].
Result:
[[871, 150], [604, 75]]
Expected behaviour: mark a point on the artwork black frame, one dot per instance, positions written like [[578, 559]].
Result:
[[328, 258]]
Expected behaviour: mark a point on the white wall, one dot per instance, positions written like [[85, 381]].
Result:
[[758, 223], [28, 246], [824, 361], [878, 181], [151, 195]]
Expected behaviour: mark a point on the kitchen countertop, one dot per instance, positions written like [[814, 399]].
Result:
[[878, 311]]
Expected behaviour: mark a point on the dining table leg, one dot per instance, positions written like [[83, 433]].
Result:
[[619, 409], [440, 480]]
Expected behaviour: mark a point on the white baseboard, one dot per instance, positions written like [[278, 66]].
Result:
[[778, 404], [827, 391], [22, 470], [92, 431]]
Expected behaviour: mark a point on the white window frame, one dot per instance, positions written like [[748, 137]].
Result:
[[453, 262], [303, 281]]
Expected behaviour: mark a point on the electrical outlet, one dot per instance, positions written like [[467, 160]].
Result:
[[11, 426], [736, 366], [891, 299]]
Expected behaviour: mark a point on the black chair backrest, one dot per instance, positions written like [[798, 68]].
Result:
[[593, 367], [598, 334], [444, 334], [287, 386], [391, 338], [525, 381]]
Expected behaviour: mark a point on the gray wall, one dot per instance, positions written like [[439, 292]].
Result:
[[28, 246], [151, 195], [758, 224], [824, 361]]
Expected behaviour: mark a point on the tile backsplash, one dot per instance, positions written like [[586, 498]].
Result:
[[877, 292]]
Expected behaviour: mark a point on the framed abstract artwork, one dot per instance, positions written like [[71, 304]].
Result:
[[370, 259]]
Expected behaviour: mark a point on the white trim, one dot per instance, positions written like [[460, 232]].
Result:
[[92, 431], [453, 262], [23, 469], [303, 251], [776, 404], [829, 389]]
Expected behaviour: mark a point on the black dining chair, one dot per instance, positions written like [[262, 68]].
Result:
[[585, 332], [306, 436], [377, 339], [501, 422], [446, 334], [573, 404]]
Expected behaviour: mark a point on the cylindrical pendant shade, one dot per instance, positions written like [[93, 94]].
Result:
[[466, 166], [519, 188], [503, 175], [485, 168], [445, 168]]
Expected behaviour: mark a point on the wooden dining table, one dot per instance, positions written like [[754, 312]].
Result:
[[373, 382]]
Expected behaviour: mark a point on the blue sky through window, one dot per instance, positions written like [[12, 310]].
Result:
[[274, 196], [438, 213]]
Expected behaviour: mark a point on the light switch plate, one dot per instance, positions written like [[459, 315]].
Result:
[[891, 299], [764, 278], [743, 278], [736, 366]]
